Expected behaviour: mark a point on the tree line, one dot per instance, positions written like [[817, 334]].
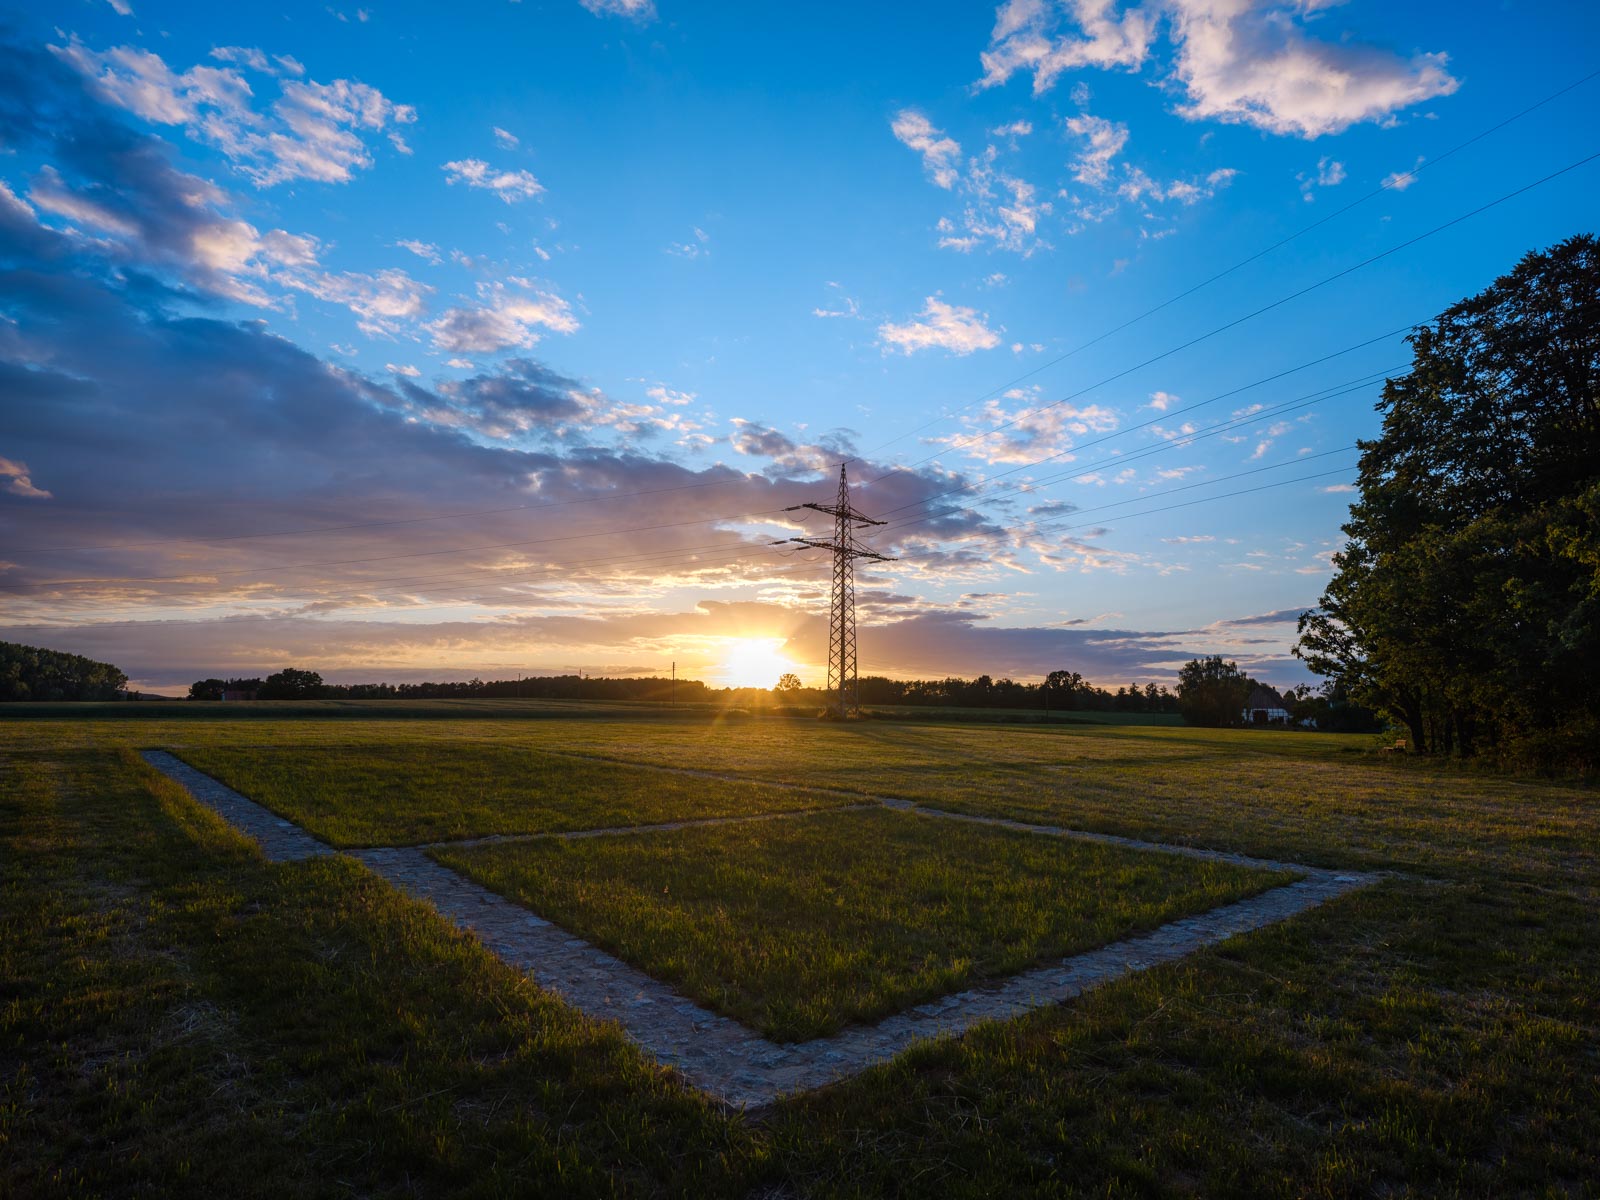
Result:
[[1063, 691], [1465, 604], [34, 673], [296, 684]]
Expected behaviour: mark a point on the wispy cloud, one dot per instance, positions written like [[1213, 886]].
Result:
[[312, 131], [940, 326], [508, 317], [940, 154], [1329, 173], [16, 480], [510, 185], [637, 10], [425, 250]]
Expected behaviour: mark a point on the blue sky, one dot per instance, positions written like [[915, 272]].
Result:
[[354, 277]]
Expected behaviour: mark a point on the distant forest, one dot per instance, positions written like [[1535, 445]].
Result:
[[1215, 695], [32, 673], [1063, 691]]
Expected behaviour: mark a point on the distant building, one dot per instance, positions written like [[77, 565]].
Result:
[[1265, 707]]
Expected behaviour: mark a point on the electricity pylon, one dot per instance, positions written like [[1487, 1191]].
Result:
[[842, 682]]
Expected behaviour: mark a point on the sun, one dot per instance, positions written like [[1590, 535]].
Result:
[[753, 662]]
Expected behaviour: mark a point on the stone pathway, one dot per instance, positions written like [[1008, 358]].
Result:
[[280, 840], [719, 1055]]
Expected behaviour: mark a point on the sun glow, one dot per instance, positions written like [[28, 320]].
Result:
[[753, 662]]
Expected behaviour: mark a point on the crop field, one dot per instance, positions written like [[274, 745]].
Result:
[[180, 1016]]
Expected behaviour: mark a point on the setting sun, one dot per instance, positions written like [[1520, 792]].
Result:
[[753, 662]]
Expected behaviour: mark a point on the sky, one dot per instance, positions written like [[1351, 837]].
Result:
[[412, 341]]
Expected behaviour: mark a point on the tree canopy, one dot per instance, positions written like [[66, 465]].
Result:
[[1213, 692], [1466, 602], [34, 673]]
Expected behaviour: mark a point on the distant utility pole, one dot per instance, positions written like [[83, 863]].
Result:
[[842, 681], [674, 683]]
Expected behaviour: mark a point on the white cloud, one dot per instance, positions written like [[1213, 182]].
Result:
[[1329, 173], [638, 10], [1239, 61], [1190, 539], [1024, 39], [1095, 165], [14, 479], [1000, 208], [382, 301], [460, 364], [1336, 488], [1106, 140], [507, 318], [121, 7], [1029, 433], [1251, 64], [848, 307], [1015, 129], [425, 250], [662, 394], [407, 370], [687, 249], [1399, 181], [941, 327], [244, 56], [510, 186], [1138, 186], [1161, 401], [508, 140], [312, 131], [940, 154]]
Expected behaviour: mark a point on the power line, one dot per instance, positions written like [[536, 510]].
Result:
[[1165, 354], [1392, 184], [1387, 186], [1266, 308], [1332, 391]]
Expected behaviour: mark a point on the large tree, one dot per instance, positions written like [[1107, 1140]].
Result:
[[34, 673], [1213, 692], [1466, 603]]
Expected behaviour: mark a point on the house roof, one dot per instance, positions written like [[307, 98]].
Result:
[[1264, 697]]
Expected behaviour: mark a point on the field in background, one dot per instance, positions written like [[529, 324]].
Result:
[[1438, 1032]]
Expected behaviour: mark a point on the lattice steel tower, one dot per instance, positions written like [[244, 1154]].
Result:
[[842, 681]]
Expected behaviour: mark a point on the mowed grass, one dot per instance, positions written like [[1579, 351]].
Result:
[[179, 1018], [801, 926], [394, 792]]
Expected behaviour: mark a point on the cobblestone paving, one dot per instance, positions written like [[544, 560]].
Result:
[[721, 1056], [281, 840]]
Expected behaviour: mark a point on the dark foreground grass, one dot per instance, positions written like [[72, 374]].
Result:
[[370, 793], [179, 1019], [802, 926]]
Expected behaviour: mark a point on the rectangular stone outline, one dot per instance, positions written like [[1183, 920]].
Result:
[[716, 1054]]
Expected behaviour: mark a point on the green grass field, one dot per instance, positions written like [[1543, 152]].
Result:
[[368, 792], [799, 927], [178, 1017]]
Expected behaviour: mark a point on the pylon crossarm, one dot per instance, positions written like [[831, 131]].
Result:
[[833, 547], [836, 511]]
